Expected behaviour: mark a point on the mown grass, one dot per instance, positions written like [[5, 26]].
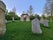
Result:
[[22, 31]]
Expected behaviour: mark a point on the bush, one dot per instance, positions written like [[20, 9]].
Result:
[[17, 18], [32, 17], [8, 17]]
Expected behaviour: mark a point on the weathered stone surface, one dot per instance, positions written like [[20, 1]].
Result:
[[2, 6], [21, 19], [27, 18], [13, 19], [36, 26], [2, 18], [45, 23], [41, 20]]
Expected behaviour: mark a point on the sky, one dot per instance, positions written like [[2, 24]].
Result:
[[23, 5]]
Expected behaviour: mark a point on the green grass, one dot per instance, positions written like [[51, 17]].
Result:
[[22, 31]]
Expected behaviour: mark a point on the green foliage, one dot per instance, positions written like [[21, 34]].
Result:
[[32, 17], [44, 16], [49, 18], [17, 17], [22, 31], [12, 14], [38, 17], [8, 17]]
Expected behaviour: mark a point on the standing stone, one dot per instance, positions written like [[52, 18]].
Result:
[[21, 19], [13, 19], [36, 26], [46, 23], [2, 18], [27, 18], [41, 20]]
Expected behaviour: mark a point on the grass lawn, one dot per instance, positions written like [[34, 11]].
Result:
[[22, 31]]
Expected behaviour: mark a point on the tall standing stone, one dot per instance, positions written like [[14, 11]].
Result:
[[36, 26], [2, 18], [45, 23]]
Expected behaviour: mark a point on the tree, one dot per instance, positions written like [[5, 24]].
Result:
[[30, 10], [7, 16], [36, 15], [48, 9], [12, 14], [43, 16], [17, 17], [32, 17]]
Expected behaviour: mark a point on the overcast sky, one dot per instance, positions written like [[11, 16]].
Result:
[[23, 5]]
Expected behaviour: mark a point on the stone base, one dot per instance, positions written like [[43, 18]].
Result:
[[2, 31]]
